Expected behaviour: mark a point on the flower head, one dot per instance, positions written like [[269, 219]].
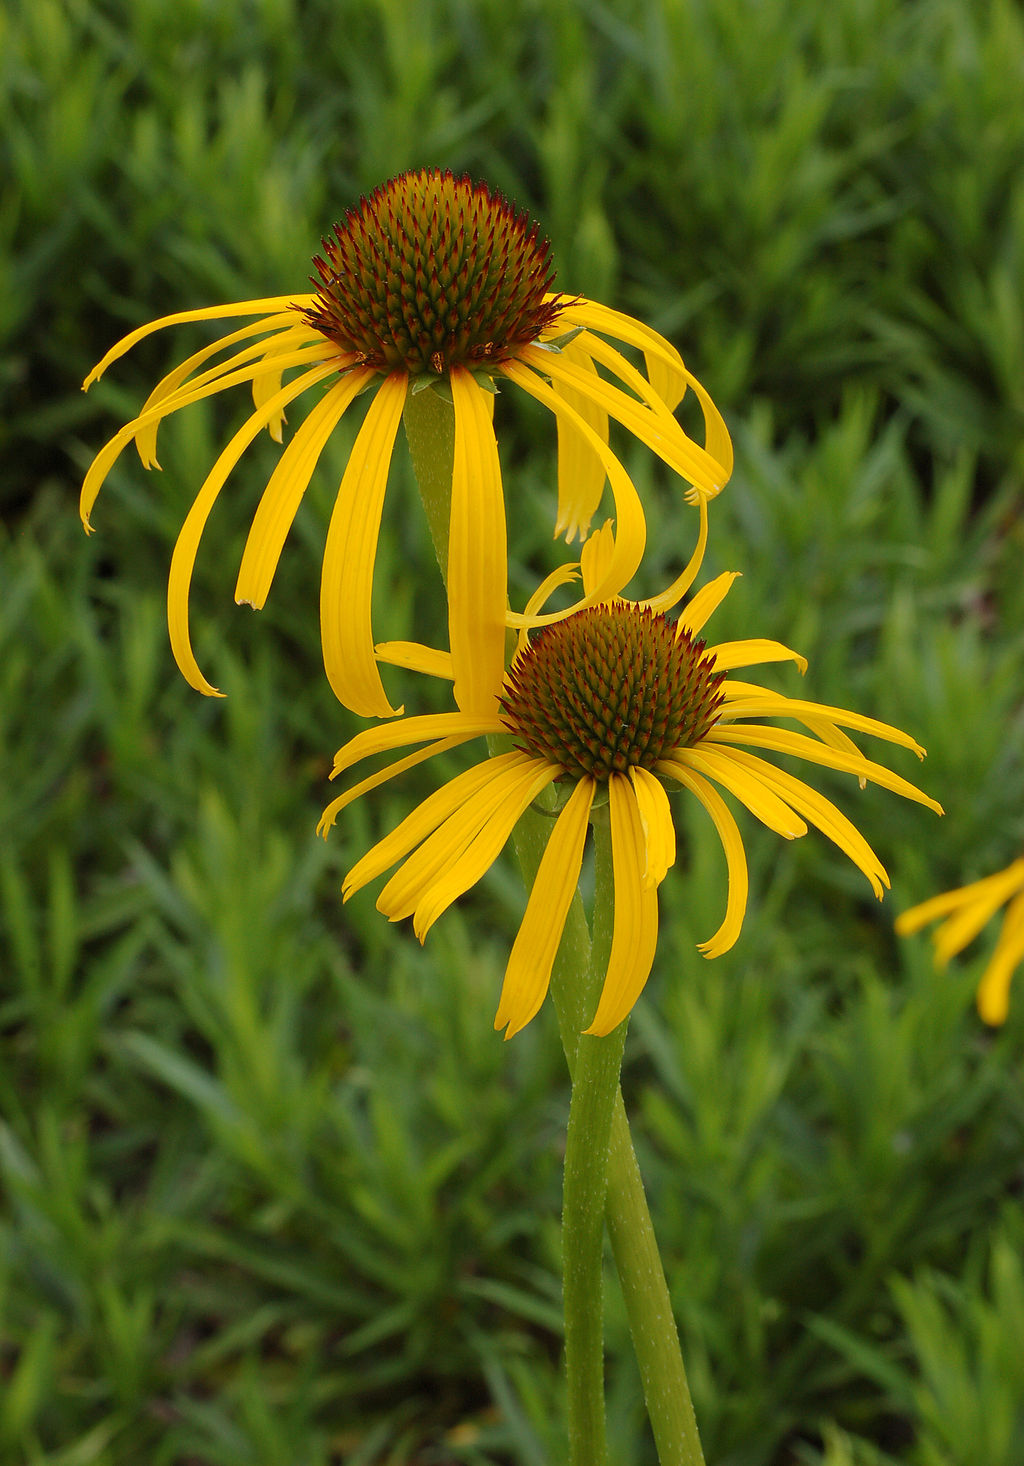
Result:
[[615, 701], [432, 280], [432, 272], [965, 911]]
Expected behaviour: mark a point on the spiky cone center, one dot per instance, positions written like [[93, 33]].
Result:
[[611, 688], [431, 272]]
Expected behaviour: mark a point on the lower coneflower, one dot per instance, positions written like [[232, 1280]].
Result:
[[432, 281], [963, 913], [617, 704]]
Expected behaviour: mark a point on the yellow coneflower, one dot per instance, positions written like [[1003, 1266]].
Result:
[[432, 280], [619, 702], [966, 910]]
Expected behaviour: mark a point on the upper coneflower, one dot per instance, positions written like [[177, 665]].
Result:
[[621, 701], [432, 280]]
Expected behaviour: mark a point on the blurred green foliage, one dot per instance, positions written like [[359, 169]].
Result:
[[272, 1189]]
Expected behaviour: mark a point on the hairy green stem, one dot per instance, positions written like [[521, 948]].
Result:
[[595, 1086]]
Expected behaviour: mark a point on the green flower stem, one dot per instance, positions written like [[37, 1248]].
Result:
[[430, 429], [595, 1086], [634, 1246]]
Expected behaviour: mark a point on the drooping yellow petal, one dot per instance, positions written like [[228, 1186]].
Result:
[[735, 856], [706, 602], [477, 552], [635, 924], [994, 989], [145, 441], [752, 652], [183, 559], [536, 945], [382, 776], [741, 780], [818, 811], [596, 556], [1006, 881], [781, 740], [518, 790], [280, 500], [419, 825], [451, 836], [561, 575], [206, 313], [775, 705], [665, 368], [184, 397], [683, 581], [667, 372], [346, 584], [970, 916], [581, 473], [416, 658], [656, 823], [386, 737], [631, 530], [264, 387], [658, 431]]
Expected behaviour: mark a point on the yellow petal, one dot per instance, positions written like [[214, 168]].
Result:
[[629, 515], [665, 367], [562, 575], [184, 397], [281, 498], [207, 313], [416, 657], [969, 917], [419, 825], [994, 988], [781, 740], [775, 705], [536, 945], [635, 924], [656, 823], [346, 584], [264, 387], [382, 776], [477, 552], [682, 582], [388, 736], [668, 374], [740, 778], [465, 806], [707, 600], [145, 441], [596, 556], [659, 431], [183, 559], [1006, 881], [752, 652], [517, 788], [581, 473], [821, 813], [735, 857]]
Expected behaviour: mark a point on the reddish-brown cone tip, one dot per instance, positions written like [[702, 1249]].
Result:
[[431, 272], [612, 687]]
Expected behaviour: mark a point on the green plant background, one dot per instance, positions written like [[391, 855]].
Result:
[[273, 1192]]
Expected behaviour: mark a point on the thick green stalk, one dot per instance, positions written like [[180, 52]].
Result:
[[634, 1246], [430, 429], [595, 1086]]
